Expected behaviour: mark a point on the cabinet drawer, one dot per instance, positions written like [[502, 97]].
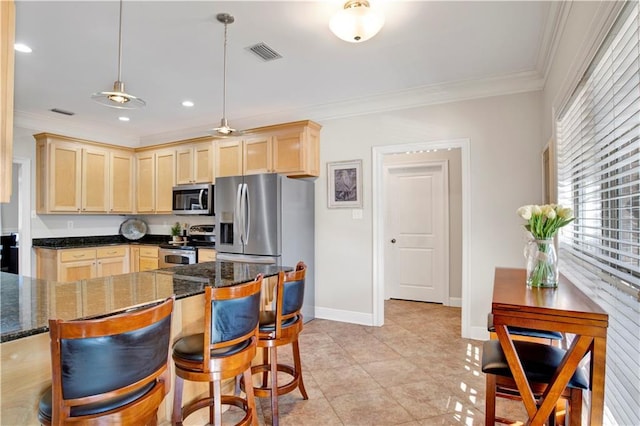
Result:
[[104, 252], [75, 255], [147, 264], [148, 251], [206, 255]]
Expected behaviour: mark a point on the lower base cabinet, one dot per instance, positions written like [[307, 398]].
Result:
[[144, 258], [206, 255], [67, 265]]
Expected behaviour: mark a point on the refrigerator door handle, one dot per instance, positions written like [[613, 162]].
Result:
[[237, 212], [247, 213]]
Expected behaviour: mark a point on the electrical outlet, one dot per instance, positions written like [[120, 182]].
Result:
[[356, 214], [69, 224], [33, 214]]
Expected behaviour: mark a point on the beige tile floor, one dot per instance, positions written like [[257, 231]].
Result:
[[414, 370]]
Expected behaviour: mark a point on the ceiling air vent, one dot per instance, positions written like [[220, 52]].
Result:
[[61, 111], [264, 52]]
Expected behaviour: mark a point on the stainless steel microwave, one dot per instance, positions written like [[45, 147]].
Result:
[[193, 199]]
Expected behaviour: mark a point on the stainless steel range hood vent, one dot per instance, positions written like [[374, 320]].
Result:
[[264, 52]]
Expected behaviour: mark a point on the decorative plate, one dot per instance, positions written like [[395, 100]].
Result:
[[133, 229]]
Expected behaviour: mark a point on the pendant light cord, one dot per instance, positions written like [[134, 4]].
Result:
[[224, 75], [120, 45]]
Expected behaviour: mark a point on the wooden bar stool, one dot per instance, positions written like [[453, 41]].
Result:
[[278, 327], [112, 370], [223, 351], [539, 362]]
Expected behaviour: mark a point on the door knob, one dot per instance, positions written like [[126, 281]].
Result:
[[393, 241]]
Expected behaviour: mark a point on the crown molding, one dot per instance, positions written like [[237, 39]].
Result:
[[434, 94]]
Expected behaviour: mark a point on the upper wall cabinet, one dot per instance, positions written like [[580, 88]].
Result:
[[292, 149], [194, 161], [75, 176], [155, 178]]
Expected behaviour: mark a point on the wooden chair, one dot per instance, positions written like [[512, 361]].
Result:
[[540, 362], [225, 350], [531, 335], [112, 370], [278, 327]]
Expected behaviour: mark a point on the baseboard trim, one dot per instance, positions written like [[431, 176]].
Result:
[[455, 302], [478, 333], [344, 316]]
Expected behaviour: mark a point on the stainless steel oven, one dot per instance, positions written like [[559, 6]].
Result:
[[176, 256]]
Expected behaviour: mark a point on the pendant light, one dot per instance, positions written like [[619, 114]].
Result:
[[225, 129], [118, 98], [356, 22]]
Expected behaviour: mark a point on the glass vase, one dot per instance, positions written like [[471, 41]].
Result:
[[542, 263]]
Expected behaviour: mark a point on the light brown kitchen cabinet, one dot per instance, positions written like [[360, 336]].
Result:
[[292, 149], [194, 162], [66, 265], [95, 180], [229, 157], [148, 258], [145, 182], [76, 176], [155, 178], [7, 38], [122, 182], [206, 255]]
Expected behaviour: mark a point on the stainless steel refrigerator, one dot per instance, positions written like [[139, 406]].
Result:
[[267, 218]]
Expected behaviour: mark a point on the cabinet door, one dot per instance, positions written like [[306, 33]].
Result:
[[229, 158], [121, 182], [111, 266], [203, 163], [257, 155], [165, 180], [184, 165], [75, 271], [64, 177], [145, 179], [288, 152], [95, 180], [134, 261], [148, 264]]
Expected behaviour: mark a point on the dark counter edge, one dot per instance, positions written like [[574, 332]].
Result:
[[98, 240]]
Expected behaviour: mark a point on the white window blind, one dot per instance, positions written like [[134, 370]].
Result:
[[599, 177]]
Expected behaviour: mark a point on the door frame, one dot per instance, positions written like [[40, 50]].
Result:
[[378, 153], [24, 214], [443, 167]]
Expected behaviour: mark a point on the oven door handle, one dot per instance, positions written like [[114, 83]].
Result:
[[201, 199]]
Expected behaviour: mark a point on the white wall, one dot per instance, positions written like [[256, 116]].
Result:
[[504, 134]]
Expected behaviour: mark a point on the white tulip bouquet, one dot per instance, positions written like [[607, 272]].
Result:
[[543, 222]]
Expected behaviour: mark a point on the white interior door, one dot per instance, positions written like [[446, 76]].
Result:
[[416, 232]]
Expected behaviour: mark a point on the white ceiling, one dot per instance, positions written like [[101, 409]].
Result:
[[172, 50]]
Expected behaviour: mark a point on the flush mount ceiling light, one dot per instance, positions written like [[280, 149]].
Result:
[[118, 98], [356, 22], [225, 129]]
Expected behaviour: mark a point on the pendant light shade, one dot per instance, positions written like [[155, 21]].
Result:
[[356, 22], [118, 98], [225, 129]]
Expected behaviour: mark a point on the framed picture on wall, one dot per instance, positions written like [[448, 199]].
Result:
[[345, 184]]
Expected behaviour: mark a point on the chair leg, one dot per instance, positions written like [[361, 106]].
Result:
[[251, 401], [490, 401], [273, 361], [176, 416], [212, 399], [265, 360], [298, 366], [575, 407], [217, 403]]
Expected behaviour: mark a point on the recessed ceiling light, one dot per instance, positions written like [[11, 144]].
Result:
[[123, 118], [22, 48], [187, 104]]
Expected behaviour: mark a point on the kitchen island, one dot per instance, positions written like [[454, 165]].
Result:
[[26, 304]]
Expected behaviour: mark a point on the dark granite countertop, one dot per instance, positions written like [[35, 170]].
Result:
[[26, 304], [95, 241]]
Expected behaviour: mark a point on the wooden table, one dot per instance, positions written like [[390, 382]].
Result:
[[565, 309]]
